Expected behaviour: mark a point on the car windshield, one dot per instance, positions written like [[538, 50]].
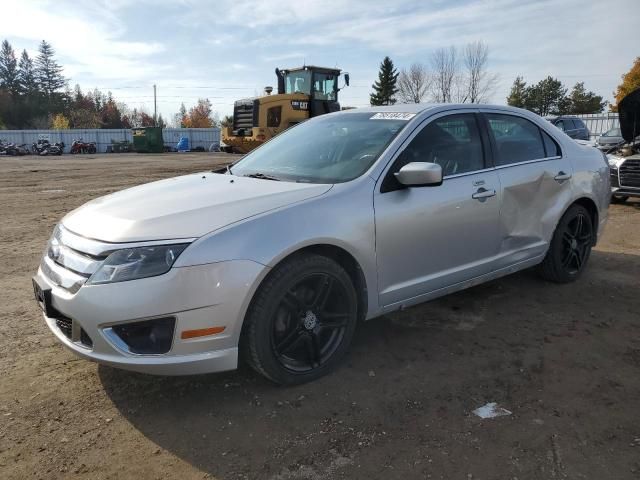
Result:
[[332, 148], [614, 132]]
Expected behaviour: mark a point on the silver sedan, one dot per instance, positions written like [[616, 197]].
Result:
[[336, 221]]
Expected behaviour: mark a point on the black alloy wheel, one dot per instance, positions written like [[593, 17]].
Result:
[[310, 322], [570, 246], [577, 239], [301, 320]]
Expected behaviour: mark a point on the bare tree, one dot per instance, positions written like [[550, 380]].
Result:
[[479, 83], [445, 65], [414, 83]]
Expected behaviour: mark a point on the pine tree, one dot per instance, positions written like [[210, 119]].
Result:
[[518, 95], [581, 101], [384, 89], [48, 72], [26, 75], [8, 69]]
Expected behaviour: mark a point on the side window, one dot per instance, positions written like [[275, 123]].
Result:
[[274, 114], [453, 142], [569, 124], [579, 123], [561, 125], [517, 139], [552, 149]]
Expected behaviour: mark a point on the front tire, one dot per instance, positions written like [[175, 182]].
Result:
[[619, 199], [570, 246], [301, 321]]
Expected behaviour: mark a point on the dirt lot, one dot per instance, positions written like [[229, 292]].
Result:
[[564, 359]]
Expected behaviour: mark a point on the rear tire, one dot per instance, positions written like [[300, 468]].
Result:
[[570, 246], [301, 320]]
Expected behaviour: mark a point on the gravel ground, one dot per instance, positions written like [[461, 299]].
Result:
[[565, 360]]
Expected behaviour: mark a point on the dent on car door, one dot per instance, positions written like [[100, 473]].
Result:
[[431, 237], [535, 183]]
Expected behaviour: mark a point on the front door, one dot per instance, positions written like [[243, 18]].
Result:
[[428, 238]]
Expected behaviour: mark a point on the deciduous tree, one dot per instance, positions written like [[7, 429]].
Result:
[[630, 82], [479, 83], [413, 83], [199, 116], [445, 68], [60, 122]]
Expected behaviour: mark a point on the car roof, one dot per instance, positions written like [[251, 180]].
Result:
[[423, 107]]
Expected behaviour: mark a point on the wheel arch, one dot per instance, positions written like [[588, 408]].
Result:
[[341, 256]]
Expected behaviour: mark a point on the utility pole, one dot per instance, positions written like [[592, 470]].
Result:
[[155, 107]]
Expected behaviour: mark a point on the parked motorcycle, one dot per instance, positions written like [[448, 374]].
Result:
[[7, 148], [78, 146], [44, 147]]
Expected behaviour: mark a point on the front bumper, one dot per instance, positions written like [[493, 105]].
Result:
[[198, 297]]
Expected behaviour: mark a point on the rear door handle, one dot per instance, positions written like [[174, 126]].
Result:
[[561, 177], [482, 194]]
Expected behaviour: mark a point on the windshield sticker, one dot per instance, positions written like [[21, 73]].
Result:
[[393, 116]]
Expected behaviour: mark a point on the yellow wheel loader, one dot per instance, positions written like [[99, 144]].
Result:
[[303, 93]]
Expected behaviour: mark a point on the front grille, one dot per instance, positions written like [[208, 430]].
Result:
[[70, 260], [245, 116], [65, 326], [629, 173]]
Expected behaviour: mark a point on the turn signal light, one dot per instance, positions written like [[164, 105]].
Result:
[[201, 332]]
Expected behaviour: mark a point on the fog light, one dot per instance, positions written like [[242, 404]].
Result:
[[148, 336]]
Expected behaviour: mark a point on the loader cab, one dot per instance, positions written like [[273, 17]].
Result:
[[321, 84]]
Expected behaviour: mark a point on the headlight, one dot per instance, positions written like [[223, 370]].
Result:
[[134, 263], [615, 161]]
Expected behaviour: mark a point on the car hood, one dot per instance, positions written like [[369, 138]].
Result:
[[183, 207], [629, 114]]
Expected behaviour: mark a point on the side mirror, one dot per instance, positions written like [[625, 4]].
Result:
[[346, 79], [420, 174]]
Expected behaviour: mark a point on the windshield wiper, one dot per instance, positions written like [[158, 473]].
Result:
[[261, 176]]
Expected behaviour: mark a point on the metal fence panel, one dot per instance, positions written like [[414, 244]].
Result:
[[198, 137], [599, 123]]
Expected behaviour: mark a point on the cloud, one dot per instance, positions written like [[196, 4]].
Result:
[[229, 49]]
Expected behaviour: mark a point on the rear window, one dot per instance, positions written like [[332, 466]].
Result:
[[517, 139], [552, 149]]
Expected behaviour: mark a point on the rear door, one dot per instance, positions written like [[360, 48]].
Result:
[[535, 183]]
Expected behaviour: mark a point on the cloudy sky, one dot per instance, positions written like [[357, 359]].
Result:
[[228, 49]]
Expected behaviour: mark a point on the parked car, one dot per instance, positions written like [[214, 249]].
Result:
[[337, 220], [609, 139], [625, 159], [572, 126]]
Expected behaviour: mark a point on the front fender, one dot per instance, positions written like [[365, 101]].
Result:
[[343, 218]]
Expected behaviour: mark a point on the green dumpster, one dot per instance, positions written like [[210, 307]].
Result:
[[147, 140]]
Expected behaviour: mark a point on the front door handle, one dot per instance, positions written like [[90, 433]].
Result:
[[562, 177], [482, 194]]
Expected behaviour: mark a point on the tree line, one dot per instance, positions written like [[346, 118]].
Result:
[[34, 94], [462, 76], [550, 97], [451, 75]]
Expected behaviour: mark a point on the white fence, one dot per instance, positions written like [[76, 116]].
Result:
[[598, 123], [198, 137]]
